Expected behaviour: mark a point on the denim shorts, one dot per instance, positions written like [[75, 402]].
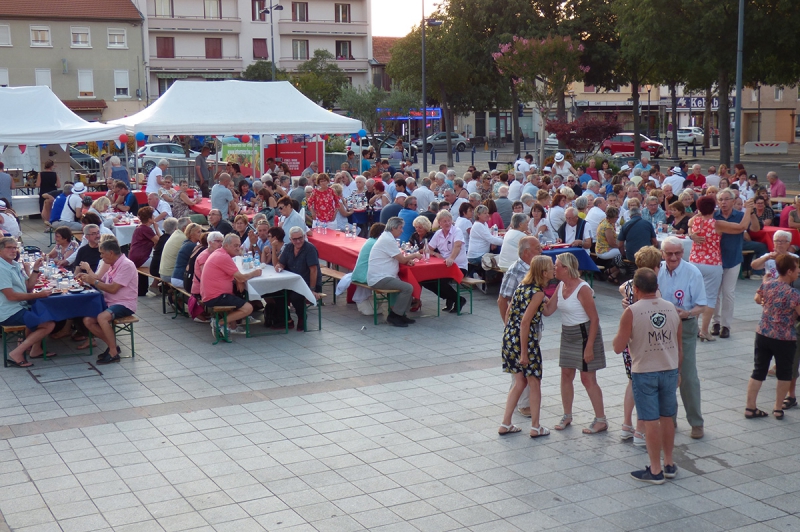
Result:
[[655, 394], [119, 311], [15, 319]]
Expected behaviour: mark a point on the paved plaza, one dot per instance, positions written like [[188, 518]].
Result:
[[360, 427]]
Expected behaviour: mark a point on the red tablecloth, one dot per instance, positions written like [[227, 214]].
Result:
[[204, 207], [766, 235], [333, 247], [141, 196]]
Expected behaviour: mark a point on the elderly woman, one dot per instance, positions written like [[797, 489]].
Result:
[[65, 246], [607, 247], [144, 238], [466, 213], [182, 203], [706, 255], [521, 353], [582, 206], [193, 233], [776, 336], [481, 239], [422, 231], [581, 341], [687, 198], [100, 207], [448, 243], [241, 226], [678, 218], [764, 213], [341, 220]]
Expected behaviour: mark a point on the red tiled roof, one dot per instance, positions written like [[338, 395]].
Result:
[[381, 47], [70, 9], [85, 105]]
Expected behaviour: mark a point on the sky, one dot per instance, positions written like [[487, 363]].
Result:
[[394, 18]]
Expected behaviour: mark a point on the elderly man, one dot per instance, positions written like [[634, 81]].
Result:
[[16, 286], [216, 284], [652, 330], [312, 169], [88, 255], [393, 209], [712, 179], [675, 179], [154, 178], [119, 285], [454, 201], [169, 256], [257, 240], [573, 230], [681, 283], [423, 193], [291, 218], [161, 209], [384, 264], [73, 209], [776, 187], [595, 215], [654, 214], [216, 223], [515, 186], [222, 197], [644, 163], [505, 207], [517, 231], [201, 173], [300, 257], [697, 176], [408, 215], [636, 233], [731, 250], [592, 189]]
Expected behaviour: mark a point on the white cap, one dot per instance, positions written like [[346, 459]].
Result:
[[559, 157], [401, 195], [624, 168], [79, 188], [676, 170], [547, 169]]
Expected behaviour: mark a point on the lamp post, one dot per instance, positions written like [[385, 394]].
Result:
[[649, 88], [424, 102], [272, 7]]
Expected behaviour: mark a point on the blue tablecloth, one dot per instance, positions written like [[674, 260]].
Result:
[[64, 307], [585, 262]]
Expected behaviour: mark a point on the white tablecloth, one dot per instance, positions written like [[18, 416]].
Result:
[[271, 281], [687, 245], [124, 233]]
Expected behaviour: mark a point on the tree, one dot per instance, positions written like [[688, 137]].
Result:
[[586, 133], [262, 71], [320, 79], [372, 104], [545, 68]]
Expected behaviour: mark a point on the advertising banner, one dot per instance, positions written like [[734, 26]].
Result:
[[297, 151], [246, 155]]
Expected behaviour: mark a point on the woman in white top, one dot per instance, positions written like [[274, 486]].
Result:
[[481, 239], [447, 244], [341, 218], [100, 207], [581, 341], [464, 222], [557, 215], [540, 226], [562, 167]]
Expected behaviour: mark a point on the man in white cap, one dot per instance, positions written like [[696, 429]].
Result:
[[72, 212], [394, 208], [8, 222], [676, 180]]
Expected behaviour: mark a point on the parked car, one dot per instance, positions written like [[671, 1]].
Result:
[[623, 143], [551, 141], [690, 135], [438, 141], [387, 143], [150, 154], [84, 160]]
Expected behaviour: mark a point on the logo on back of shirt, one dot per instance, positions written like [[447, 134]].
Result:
[[658, 319]]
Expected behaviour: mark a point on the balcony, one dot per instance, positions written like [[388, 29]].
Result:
[[347, 65], [186, 63], [323, 27], [194, 24]]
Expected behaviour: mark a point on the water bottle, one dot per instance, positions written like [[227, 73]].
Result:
[[324, 228], [426, 251], [660, 229], [246, 264], [256, 260], [495, 231]]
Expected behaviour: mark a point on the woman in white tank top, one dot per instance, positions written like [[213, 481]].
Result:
[[581, 341]]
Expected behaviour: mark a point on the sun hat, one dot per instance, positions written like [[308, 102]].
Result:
[[78, 188], [559, 157]]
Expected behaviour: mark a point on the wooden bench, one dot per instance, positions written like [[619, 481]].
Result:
[[121, 325], [378, 296], [745, 252], [469, 284], [17, 332], [216, 314], [333, 277], [318, 308]]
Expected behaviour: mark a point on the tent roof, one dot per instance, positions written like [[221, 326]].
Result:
[[235, 107], [34, 115]]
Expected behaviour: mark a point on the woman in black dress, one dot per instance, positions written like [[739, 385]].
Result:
[[47, 181]]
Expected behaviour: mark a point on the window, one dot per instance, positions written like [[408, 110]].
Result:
[[164, 84], [80, 37], [344, 50], [258, 7], [85, 84], [117, 38], [300, 11], [163, 8], [213, 9], [214, 48], [121, 84], [342, 12], [754, 95], [299, 49], [260, 49], [3, 77], [5, 35], [40, 36], [778, 94], [43, 77], [165, 47], [589, 88]]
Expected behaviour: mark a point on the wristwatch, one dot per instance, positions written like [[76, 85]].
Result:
[[36, 271], [96, 282]]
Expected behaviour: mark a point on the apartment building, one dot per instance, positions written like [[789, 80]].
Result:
[[89, 53]]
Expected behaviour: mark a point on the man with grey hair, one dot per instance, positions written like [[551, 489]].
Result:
[[302, 258], [636, 233], [411, 185], [530, 187], [516, 232], [573, 231], [88, 255], [222, 197], [592, 189], [654, 214], [154, 178], [515, 187], [712, 179], [777, 189], [299, 193], [161, 209], [216, 223], [423, 193], [595, 215], [454, 201], [171, 249], [505, 207], [383, 267]]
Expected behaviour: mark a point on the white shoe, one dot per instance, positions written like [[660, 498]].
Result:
[[150, 293], [238, 330], [201, 320], [253, 320], [639, 442]]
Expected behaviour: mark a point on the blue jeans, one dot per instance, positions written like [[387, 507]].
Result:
[[655, 394], [119, 311]]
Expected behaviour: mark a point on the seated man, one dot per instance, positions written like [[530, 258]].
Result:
[[508, 252], [73, 209], [87, 257], [300, 257], [573, 231], [15, 290], [126, 200], [161, 209], [120, 287], [382, 269], [291, 218], [169, 256], [654, 214], [216, 223], [219, 273], [636, 233]]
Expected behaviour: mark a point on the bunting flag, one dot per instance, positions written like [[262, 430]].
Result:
[[63, 147], [119, 144], [22, 148], [2, 148]]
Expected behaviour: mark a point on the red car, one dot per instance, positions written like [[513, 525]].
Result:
[[623, 143]]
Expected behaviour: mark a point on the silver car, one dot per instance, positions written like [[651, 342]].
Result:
[[438, 141], [690, 135], [150, 154]]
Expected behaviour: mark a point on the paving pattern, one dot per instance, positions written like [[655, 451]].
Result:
[[360, 427]]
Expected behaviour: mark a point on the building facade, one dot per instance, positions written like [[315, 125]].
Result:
[[90, 54]]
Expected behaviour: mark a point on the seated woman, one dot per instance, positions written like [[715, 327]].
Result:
[[422, 232], [8, 220], [494, 216], [101, 207], [245, 194], [607, 248], [271, 252], [213, 242], [448, 243], [363, 296], [144, 238], [481, 239], [193, 233], [241, 226], [65, 246], [342, 212], [182, 203]]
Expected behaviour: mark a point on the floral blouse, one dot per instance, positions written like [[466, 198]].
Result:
[[709, 251], [324, 204], [602, 245], [777, 316]]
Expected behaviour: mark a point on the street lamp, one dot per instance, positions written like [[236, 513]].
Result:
[[649, 88], [572, 103], [272, 7], [424, 102]]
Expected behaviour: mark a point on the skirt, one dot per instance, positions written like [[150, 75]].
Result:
[[573, 343], [712, 279]]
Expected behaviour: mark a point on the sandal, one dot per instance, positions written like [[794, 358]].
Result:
[[754, 413], [592, 429], [49, 355], [510, 429], [540, 431], [778, 414], [23, 364], [789, 402], [627, 432], [566, 421]]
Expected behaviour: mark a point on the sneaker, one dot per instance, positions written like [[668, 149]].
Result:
[[150, 293], [646, 476], [670, 471], [201, 320], [449, 306], [637, 441], [252, 320], [238, 330]]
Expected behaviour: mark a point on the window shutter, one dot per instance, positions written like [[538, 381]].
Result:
[[85, 83], [260, 49], [214, 48], [165, 47]]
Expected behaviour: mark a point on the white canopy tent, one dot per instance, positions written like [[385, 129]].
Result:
[[235, 107], [35, 116]]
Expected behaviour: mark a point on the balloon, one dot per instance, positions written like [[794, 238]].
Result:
[[245, 138], [123, 138], [140, 143], [362, 132], [140, 136]]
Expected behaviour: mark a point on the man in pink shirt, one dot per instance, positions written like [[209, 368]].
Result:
[[120, 287], [219, 273], [776, 187]]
